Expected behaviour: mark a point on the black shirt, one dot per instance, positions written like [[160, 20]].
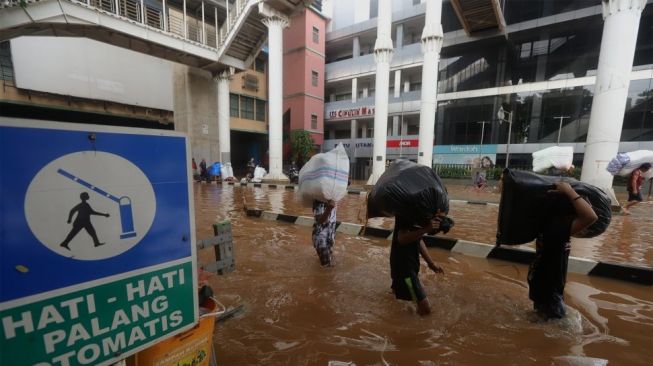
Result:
[[404, 259]]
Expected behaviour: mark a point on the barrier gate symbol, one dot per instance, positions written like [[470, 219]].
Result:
[[124, 204]]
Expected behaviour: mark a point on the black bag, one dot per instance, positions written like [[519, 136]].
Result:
[[409, 190], [526, 201]]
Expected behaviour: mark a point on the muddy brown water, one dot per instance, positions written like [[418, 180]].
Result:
[[297, 313]]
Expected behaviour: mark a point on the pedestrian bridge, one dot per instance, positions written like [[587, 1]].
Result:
[[211, 34]]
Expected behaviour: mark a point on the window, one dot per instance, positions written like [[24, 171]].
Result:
[[259, 65], [260, 110], [314, 78], [374, 9], [247, 107], [233, 105], [314, 121], [316, 35]]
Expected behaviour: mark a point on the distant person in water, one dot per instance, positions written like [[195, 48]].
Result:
[[635, 187], [83, 221]]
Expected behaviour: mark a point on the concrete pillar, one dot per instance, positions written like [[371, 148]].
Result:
[[397, 88], [431, 45], [406, 86], [404, 128], [354, 90], [621, 23], [354, 131], [366, 92], [395, 125], [356, 48], [363, 129], [382, 56], [224, 133], [399, 36], [275, 22]]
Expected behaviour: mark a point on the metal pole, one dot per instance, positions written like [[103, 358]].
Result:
[[560, 127], [142, 12], [508, 145], [203, 25], [228, 22], [165, 17], [117, 5], [217, 36], [185, 24], [480, 148]]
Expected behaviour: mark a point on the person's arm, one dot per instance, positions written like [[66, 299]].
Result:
[[93, 212], [585, 215], [406, 236], [72, 212], [321, 219], [427, 258]]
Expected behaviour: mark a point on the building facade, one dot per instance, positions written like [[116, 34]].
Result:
[[539, 61]]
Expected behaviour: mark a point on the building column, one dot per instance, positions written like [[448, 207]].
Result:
[[354, 90], [395, 125], [397, 88], [356, 47], [275, 22], [406, 86], [404, 128], [621, 23], [224, 133], [366, 92], [399, 35], [354, 131], [382, 56], [431, 45], [363, 129]]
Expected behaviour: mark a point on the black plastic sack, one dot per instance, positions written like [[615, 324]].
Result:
[[526, 201], [408, 190]]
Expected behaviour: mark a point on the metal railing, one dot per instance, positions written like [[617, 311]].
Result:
[[202, 28]]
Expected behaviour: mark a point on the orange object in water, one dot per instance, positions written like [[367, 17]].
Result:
[[190, 348]]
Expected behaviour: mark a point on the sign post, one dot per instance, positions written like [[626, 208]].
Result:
[[98, 257]]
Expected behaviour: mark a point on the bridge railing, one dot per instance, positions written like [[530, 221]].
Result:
[[198, 23]]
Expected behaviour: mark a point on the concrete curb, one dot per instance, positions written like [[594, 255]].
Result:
[[623, 272]]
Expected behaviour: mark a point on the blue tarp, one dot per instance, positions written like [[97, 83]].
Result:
[[215, 169]]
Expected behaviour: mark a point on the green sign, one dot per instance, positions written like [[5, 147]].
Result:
[[97, 324]]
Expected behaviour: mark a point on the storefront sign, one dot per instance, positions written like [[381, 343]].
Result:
[[98, 258], [351, 112], [473, 155]]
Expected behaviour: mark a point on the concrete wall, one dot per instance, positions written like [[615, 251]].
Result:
[[196, 111], [236, 87]]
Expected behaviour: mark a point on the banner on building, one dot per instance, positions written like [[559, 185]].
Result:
[[475, 155], [351, 113]]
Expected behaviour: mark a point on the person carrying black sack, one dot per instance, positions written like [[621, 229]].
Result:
[[548, 272], [407, 246]]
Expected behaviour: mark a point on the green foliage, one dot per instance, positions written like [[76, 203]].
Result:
[[301, 145]]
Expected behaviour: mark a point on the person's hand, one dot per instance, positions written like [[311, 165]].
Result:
[[435, 268], [106, 215], [331, 203], [564, 187]]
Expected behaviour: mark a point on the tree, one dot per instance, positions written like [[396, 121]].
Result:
[[301, 145]]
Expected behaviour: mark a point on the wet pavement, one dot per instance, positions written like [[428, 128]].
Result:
[[297, 313]]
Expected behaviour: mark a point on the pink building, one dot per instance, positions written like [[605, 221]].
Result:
[[303, 74]]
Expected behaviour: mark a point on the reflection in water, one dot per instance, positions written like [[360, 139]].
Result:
[[297, 313]]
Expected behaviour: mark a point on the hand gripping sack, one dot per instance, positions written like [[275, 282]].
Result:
[[325, 176], [524, 197], [409, 190]]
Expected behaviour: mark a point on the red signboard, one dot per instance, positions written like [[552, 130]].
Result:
[[402, 143]]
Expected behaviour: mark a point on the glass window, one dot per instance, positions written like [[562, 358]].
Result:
[[259, 65], [374, 8], [316, 35], [314, 121], [246, 107], [233, 105], [314, 78], [260, 110]]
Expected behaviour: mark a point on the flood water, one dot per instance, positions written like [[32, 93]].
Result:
[[297, 313]]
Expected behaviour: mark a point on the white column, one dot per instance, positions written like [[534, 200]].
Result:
[[275, 22], [354, 90], [354, 130], [366, 91], [406, 86], [397, 88], [431, 46], [356, 48], [185, 22], [404, 128], [363, 129], [621, 22], [395, 125], [224, 131], [399, 33], [203, 40], [382, 55]]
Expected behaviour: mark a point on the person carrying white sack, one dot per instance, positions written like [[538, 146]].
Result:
[[323, 181]]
